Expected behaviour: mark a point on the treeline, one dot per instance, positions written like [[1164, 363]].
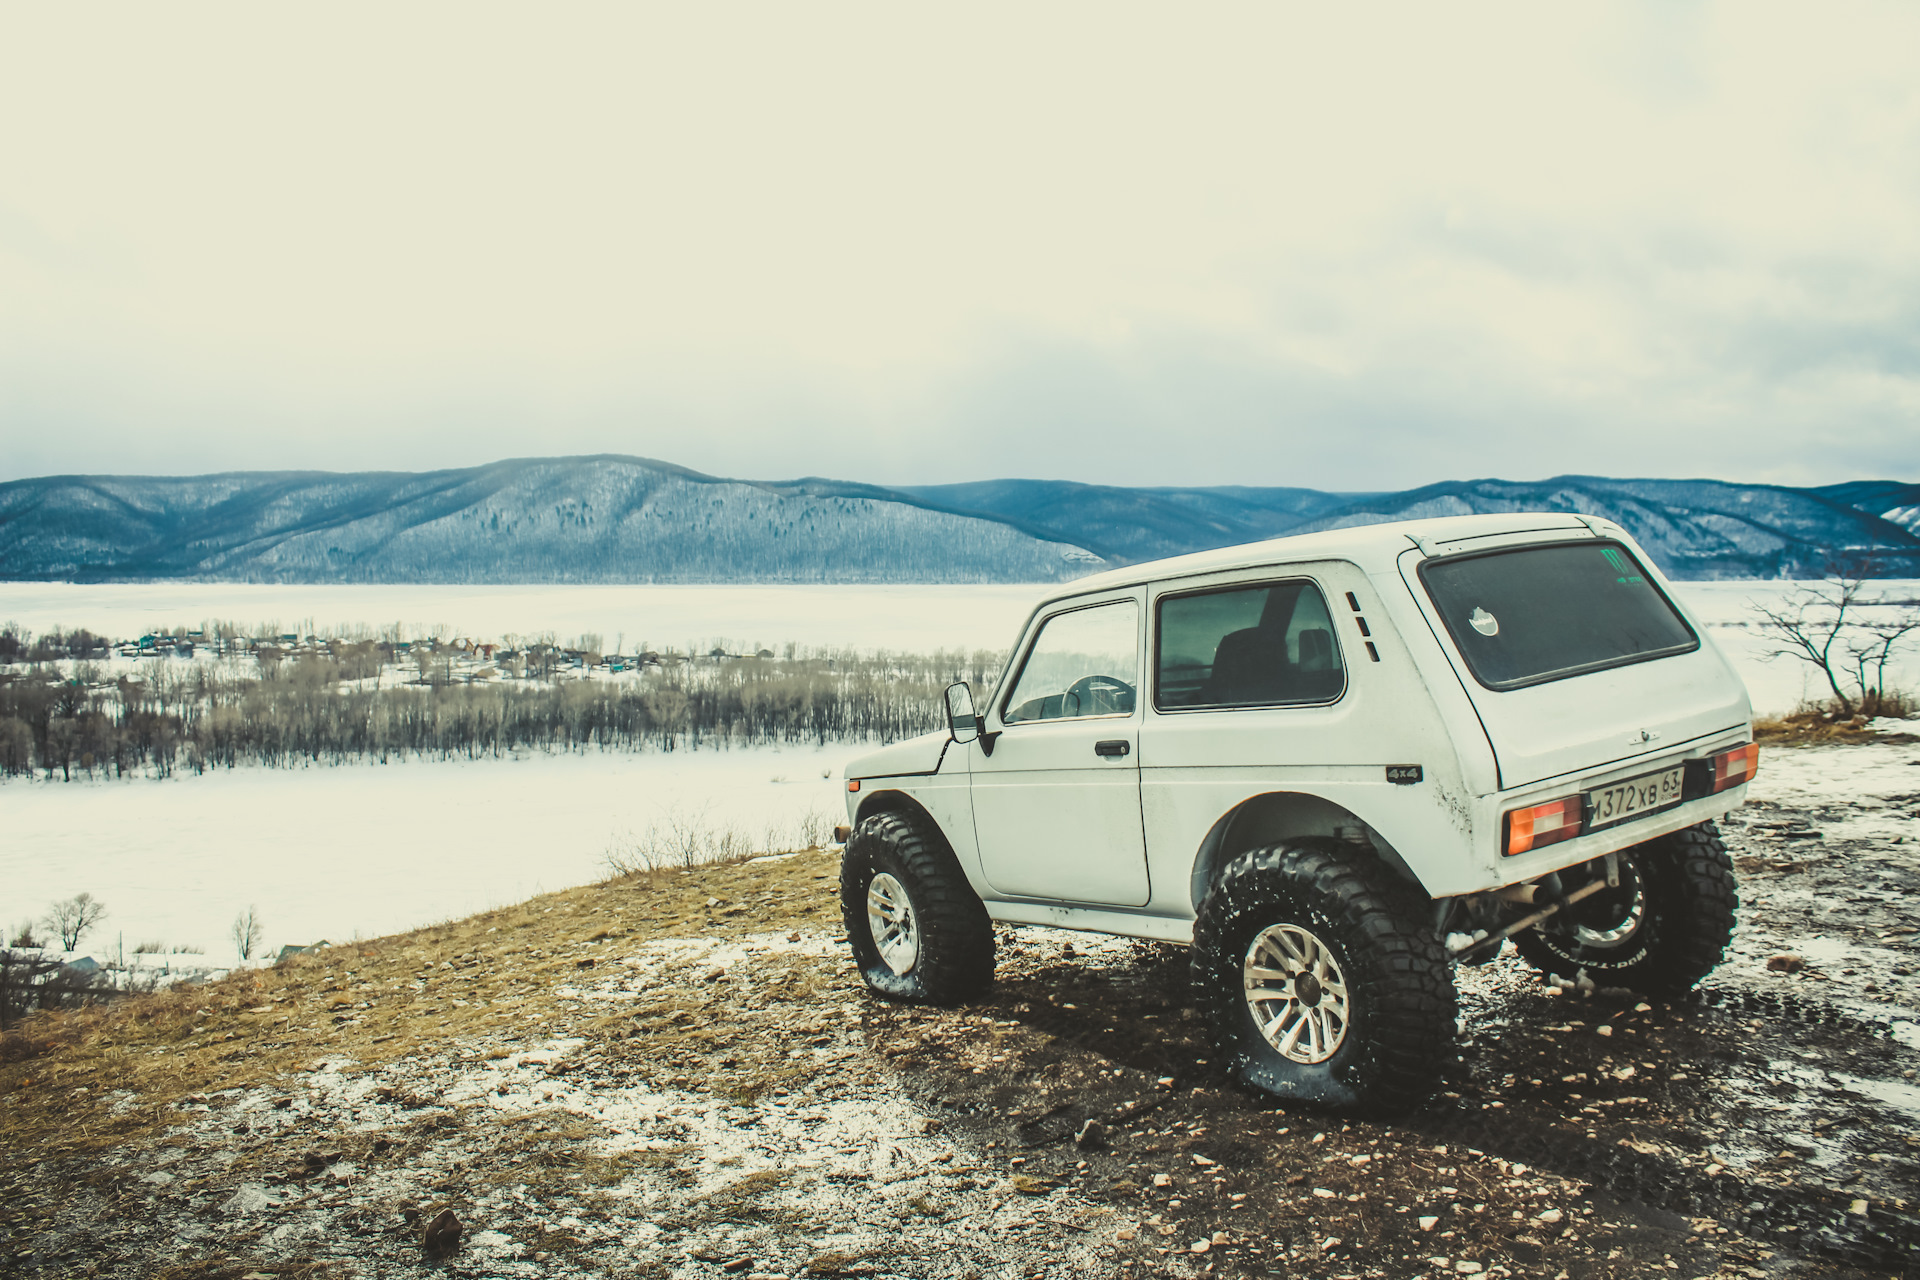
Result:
[[17, 646], [344, 703]]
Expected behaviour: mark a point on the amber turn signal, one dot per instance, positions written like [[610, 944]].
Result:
[[1731, 768], [853, 784], [1543, 824]]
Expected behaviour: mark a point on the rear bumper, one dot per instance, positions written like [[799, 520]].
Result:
[[1525, 867]]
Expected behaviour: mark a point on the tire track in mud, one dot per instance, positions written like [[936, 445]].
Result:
[[1812, 1222], [1785, 1007], [1129, 1012], [1819, 1222]]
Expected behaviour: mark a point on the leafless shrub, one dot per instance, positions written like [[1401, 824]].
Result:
[[247, 932], [74, 918], [154, 947], [628, 854], [688, 839], [813, 829]]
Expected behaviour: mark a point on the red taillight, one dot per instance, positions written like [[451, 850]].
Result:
[[1543, 824], [1731, 768]]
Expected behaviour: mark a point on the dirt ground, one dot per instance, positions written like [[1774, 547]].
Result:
[[679, 1075]]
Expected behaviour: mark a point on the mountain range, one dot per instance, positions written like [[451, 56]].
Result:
[[610, 518]]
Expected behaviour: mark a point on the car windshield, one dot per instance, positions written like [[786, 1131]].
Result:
[[1543, 613]]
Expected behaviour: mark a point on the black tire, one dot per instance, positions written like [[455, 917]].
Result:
[[1397, 1032], [952, 954], [1660, 932]]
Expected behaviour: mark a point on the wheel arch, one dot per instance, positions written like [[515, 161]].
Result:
[[892, 802], [1274, 817]]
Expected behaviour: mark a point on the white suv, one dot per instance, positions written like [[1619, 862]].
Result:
[[1336, 765]]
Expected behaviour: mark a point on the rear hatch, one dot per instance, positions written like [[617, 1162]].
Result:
[[1575, 657]]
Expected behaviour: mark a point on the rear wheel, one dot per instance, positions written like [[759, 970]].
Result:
[[918, 931], [1322, 980], [1660, 931]]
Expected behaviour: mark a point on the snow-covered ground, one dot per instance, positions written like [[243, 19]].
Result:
[[364, 850], [909, 618]]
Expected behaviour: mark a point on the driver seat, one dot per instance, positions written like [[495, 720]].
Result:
[[1249, 665]]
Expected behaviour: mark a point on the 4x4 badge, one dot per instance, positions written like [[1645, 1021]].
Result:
[[1403, 774]]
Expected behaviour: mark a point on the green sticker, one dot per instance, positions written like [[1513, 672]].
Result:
[[1619, 563]]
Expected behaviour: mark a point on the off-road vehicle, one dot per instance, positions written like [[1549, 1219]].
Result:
[[1336, 765]]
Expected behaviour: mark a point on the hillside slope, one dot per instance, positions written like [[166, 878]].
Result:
[[1131, 525], [1892, 500], [610, 518], [1692, 528], [597, 519]]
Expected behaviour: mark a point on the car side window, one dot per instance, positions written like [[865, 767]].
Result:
[[1247, 647], [1082, 663]]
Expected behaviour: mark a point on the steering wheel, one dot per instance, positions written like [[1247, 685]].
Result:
[[1090, 690]]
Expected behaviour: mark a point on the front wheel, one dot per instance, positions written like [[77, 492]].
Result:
[[1322, 980], [1662, 929], [918, 931]]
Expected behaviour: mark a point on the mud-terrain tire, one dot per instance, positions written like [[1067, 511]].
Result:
[[1381, 991], [1660, 932], [918, 931]]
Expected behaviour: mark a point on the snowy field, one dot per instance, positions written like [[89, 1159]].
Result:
[[365, 850]]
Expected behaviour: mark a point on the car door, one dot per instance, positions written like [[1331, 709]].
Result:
[[1056, 802]]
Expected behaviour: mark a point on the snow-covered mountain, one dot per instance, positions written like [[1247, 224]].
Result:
[[620, 519], [594, 519], [1692, 528]]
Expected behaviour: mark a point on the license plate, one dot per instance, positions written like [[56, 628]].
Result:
[[1631, 799]]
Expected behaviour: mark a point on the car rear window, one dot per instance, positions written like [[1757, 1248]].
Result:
[[1534, 614]]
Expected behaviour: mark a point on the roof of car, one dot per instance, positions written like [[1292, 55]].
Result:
[[1372, 546]]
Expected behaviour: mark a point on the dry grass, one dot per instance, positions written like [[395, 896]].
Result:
[[1819, 724], [80, 1082]]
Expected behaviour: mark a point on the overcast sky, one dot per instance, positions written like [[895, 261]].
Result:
[[1347, 247]]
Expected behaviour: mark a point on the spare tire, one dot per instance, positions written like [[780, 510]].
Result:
[[1660, 931]]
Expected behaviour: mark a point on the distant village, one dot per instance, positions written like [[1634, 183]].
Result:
[[439, 661]]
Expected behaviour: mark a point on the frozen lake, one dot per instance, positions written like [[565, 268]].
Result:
[[365, 850]]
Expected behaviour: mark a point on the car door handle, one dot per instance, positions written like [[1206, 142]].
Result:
[[1112, 747]]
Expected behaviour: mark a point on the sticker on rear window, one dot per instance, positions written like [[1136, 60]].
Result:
[[1620, 566], [1483, 622]]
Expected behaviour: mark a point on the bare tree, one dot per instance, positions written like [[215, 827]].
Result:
[[247, 932], [73, 918], [1829, 627], [1807, 627], [1870, 648]]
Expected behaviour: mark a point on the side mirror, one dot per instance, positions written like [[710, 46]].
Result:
[[963, 722]]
